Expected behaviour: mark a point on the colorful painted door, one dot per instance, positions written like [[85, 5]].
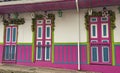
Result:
[[10, 44], [100, 40], [43, 40]]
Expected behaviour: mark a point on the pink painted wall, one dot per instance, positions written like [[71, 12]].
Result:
[[65, 58], [1, 52], [24, 53], [101, 68], [117, 55]]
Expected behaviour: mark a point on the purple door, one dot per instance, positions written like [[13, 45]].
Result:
[[100, 40], [9, 54], [43, 40]]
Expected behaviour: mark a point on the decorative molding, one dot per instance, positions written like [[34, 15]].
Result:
[[40, 16], [94, 13], [17, 21]]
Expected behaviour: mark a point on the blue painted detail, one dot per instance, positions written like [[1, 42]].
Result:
[[24, 61], [94, 31], [83, 63], [105, 53], [94, 53], [7, 52], [39, 53], [39, 32], [104, 30], [13, 52], [70, 45], [14, 35], [48, 31], [23, 51], [48, 51], [8, 34]]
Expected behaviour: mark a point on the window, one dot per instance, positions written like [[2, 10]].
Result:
[[39, 51], [104, 19], [8, 34], [7, 50], [40, 22], [93, 31], [105, 54], [94, 54], [105, 30], [47, 51], [48, 32], [93, 19], [39, 32], [14, 31]]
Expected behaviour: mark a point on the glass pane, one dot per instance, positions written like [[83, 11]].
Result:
[[94, 53], [104, 19], [39, 32], [105, 53], [104, 30], [94, 31], [14, 35], [7, 52], [48, 51], [48, 32], [8, 34], [13, 51], [93, 19], [39, 53]]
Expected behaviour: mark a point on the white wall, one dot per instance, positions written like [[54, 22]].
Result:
[[1, 31], [24, 31], [66, 27]]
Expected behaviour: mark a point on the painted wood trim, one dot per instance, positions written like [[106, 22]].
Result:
[[24, 43], [53, 54], [113, 48], [88, 48], [33, 45]]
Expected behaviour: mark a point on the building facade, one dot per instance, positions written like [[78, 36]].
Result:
[[50, 38]]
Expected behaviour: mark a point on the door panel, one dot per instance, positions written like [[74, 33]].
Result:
[[100, 41], [10, 44], [44, 38]]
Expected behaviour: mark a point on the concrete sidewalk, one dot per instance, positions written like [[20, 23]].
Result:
[[4, 68]]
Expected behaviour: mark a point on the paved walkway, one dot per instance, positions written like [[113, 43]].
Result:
[[25, 69]]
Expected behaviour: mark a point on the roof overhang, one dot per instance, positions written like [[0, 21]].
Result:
[[56, 5]]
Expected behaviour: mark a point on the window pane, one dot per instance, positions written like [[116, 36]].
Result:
[[48, 31], [14, 35], [94, 30], [39, 33], [13, 51], [48, 51], [104, 30], [94, 53], [93, 19], [39, 51], [7, 52], [8, 34], [106, 54]]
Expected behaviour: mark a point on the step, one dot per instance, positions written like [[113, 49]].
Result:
[[5, 68]]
